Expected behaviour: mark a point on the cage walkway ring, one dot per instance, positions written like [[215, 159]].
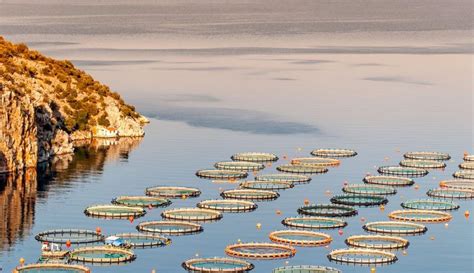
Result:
[[254, 157], [216, 264], [51, 267], [141, 201], [368, 189], [260, 251], [228, 205], [140, 240], [423, 164], [359, 200], [369, 256], [448, 193], [393, 227], [303, 169], [249, 194], [267, 185], [377, 242], [102, 254], [74, 236], [467, 165], [172, 192], [468, 157], [192, 214], [427, 156], [316, 161], [245, 166], [300, 238], [314, 222], [221, 174], [464, 174], [114, 211], [422, 216], [402, 171], [328, 210], [334, 153], [394, 181], [430, 204], [306, 269], [294, 178], [457, 184], [170, 227]]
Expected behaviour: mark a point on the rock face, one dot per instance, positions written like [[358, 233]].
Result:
[[47, 104]]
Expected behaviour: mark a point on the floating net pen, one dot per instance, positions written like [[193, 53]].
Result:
[[468, 157], [254, 157], [367, 189], [422, 164], [467, 165], [359, 200], [239, 166], [402, 171], [249, 194], [457, 184], [73, 236], [384, 180], [228, 205], [397, 228], [216, 264], [102, 255], [260, 251], [51, 268], [221, 174], [328, 210], [192, 214], [140, 240], [314, 222], [422, 216], [362, 256], [464, 174], [429, 204], [170, 227], [303, 169], [300, 238], [448, 193], [377, 242], [267, 185], [172, 192], [294, 178], [427, 156], [334, 153], [141, 201], [306, 269], [114, 211], [316, 161]]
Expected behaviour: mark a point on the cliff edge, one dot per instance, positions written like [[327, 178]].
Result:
[[47, 104]]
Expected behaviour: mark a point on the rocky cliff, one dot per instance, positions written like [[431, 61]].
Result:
[[46, 105]]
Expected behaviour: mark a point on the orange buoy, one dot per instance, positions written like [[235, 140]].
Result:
[[466, 214], [68, 243], [340, 232], [417, 187], [278, 212], [306, 202], [183, 196], [382, 207], [259, 226], [98, 230], [131, 218]]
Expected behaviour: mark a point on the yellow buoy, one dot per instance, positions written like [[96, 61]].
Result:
[[259, 226], [22, 261], [373, 270]]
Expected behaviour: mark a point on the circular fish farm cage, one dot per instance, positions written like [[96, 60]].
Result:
[[314, 222], [254, 157], [468, 157], [221, 174], [377, 242], [267, 185], [304, 169], [300, 238], [140, 240], [51, 268], [402, 171], [192, 214], [306, 269], [398, 228], [101, 255], [294, 178], [429, 204], [239, 166], [316, 161], [427, 156], [248, 194], [260, 251], [73, 236], [170, 227], [464, 174], [448, 193], [362, 256], [172, 192], [141, 201], [365, 189], [457, 184], [467, 165], [334, 153], [328, 210], [422, 164], [114, 211], [393, 181], [422, 216], [359, 200], [209, 265], [228, 205]]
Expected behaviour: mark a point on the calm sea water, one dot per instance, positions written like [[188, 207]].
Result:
[[220, 77]]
